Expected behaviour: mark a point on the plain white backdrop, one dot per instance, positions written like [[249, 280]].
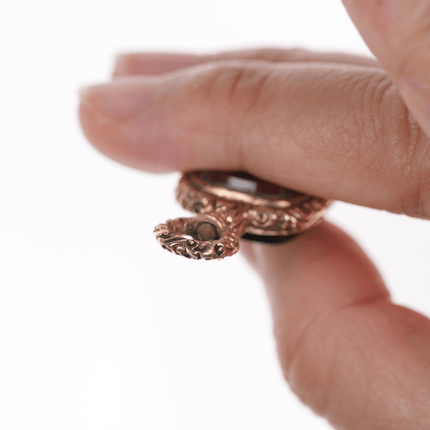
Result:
[[99, 327]]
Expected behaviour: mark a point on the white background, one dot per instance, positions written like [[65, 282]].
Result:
[[99, 327]]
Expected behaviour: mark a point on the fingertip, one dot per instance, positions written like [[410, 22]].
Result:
[[92, 125], [134, 141]]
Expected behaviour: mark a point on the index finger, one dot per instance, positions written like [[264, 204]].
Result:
[[397, 32]]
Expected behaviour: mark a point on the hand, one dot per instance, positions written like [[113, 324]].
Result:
[[332, 125]]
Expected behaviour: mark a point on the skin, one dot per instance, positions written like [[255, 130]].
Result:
[[335, 125]]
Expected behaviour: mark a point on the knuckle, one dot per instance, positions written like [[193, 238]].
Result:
[[406, 149], [222, 100], [392, 144], [415, 170], [225, 88], [240, 98], [235, 88]]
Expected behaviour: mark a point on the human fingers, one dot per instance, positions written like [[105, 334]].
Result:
[[336, 131], [397, 32], [158, 63], [345, 349]]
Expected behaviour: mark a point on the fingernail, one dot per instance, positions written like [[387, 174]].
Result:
[[122, 98]]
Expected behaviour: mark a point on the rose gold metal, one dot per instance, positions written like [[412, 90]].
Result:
[[224, 215]]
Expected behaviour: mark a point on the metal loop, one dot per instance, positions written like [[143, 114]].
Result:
[[211, 239]]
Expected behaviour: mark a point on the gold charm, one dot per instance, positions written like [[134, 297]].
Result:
[[230, 205]]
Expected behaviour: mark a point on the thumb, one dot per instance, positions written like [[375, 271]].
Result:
[[397, 32], [345, 349]]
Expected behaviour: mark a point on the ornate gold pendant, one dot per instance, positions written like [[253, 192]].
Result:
[[231, 205]]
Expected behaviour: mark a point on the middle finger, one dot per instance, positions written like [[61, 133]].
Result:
[[146, 63]]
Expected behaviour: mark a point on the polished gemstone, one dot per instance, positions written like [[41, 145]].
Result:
[[248, 184]]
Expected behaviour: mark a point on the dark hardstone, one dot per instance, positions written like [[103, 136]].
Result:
[[271, 240]]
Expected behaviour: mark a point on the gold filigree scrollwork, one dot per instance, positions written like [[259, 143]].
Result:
[[224, 216], [223, 243], [260, 219]]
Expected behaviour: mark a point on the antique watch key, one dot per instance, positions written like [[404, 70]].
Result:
[[231, 205]]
